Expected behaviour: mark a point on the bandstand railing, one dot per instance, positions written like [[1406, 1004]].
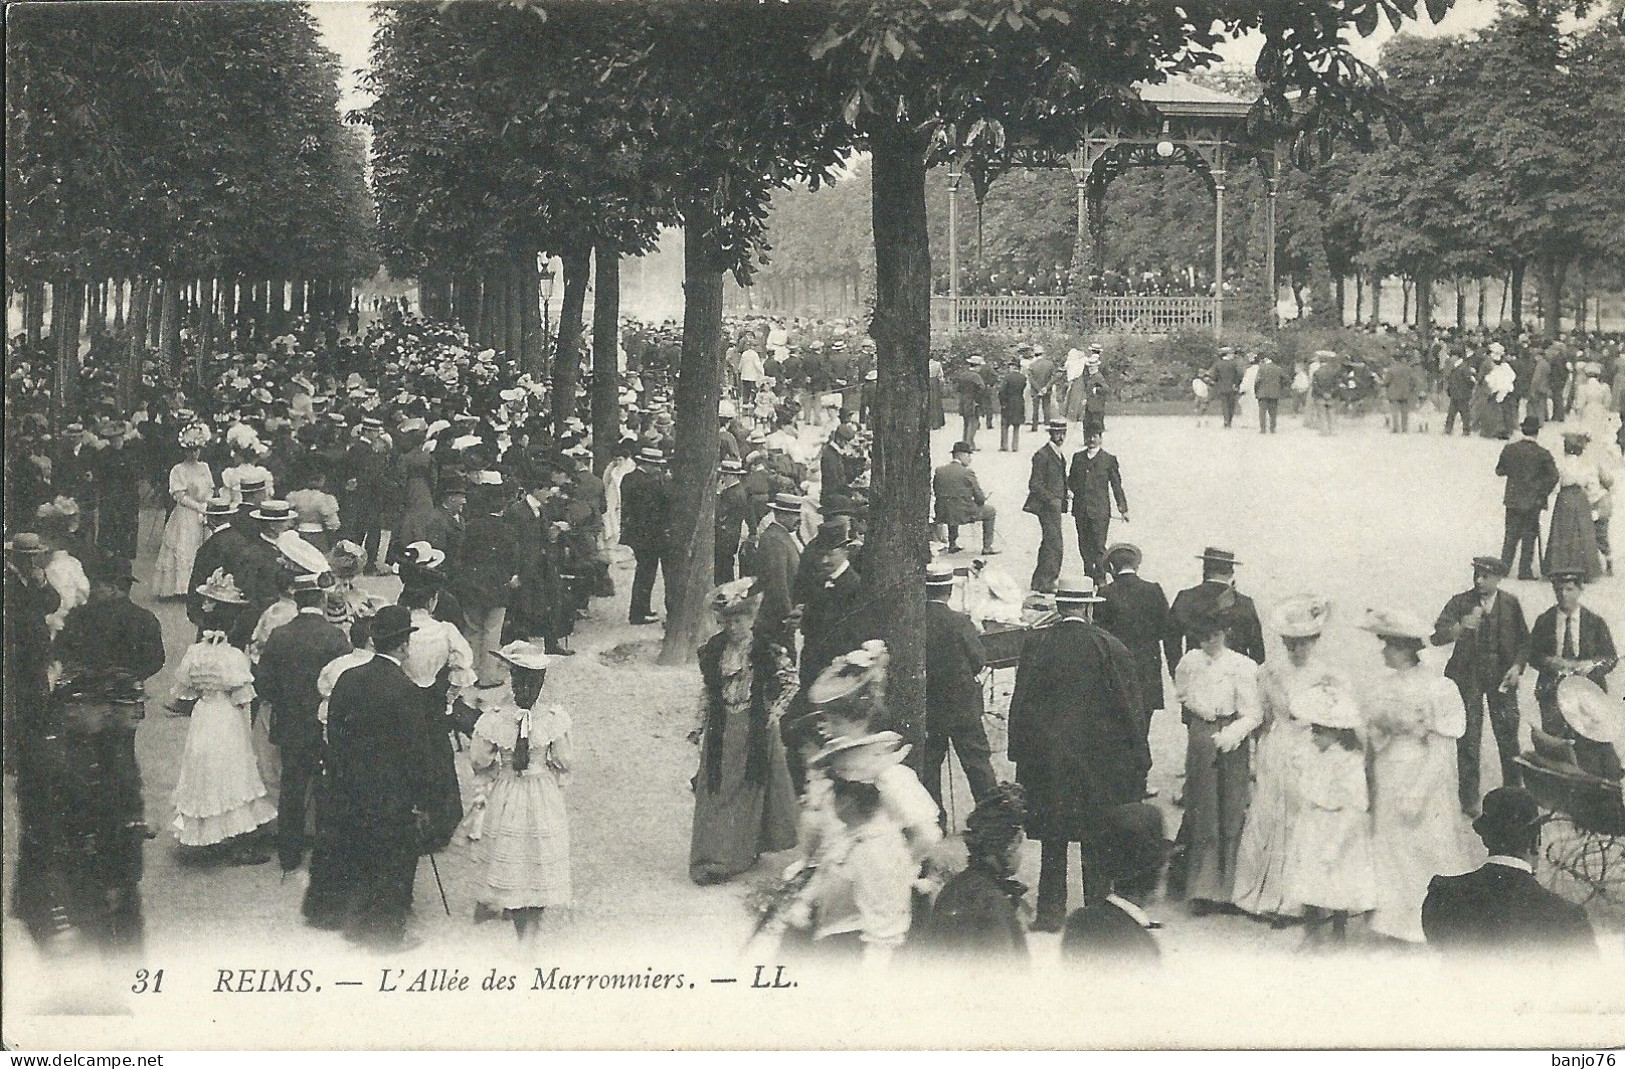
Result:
[[1005, 313], [1146, 314], [1152, 314]]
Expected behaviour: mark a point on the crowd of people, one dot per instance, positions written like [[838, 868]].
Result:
[[1008, 276], [322, 710]]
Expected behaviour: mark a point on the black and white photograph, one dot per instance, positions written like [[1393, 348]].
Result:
[[813, 525]]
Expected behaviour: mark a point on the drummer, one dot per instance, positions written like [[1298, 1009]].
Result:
[[1569, 640]]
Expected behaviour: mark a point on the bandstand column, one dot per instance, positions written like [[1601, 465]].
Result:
[[1218, 253], [953, 251]]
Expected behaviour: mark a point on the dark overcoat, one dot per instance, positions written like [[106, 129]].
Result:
[[1500, 909], [1136, 611], [1076, 730], [954, 658]]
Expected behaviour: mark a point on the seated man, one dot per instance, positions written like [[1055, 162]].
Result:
[[1501, 907], [960, 500]]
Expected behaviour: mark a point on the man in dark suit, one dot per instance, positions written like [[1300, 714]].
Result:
[[1269, 387], [379, 782], [970, 388], [729, 520], [645, 503], [118, 480], [1041, 381], [1078, 743], [1500, 908], [1570, 639], [1136, 611], [960, 500], [954, 659], [260, 570], [776, 561], [1094, 480], [834, 481], [1012, 405], [285, 679], [485, 572], [1531, 473], [1459, 384], [840, 613], [1216, 595], [1488, 629], [1225, 375], [222, 549], [1047, 498]]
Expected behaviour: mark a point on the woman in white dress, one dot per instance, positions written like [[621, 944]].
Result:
[[521, 756], [220, 798], [1290, 692], [190, 486], [1414, 716], [1247, 404]]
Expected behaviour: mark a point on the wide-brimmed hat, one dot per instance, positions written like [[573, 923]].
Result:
[[785, 503], [1327, 706], [738, 596], [1301, 616], [1492, 565], [1218, 556], [392, 622], [1127, 552], [273, 511], [523, 655], [862, 759], [851, 674], [1080, 590], [299, 555], [194, 436], [222, 587], [1591, 711], [1395, 624]]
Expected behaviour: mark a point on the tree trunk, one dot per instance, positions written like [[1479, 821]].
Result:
[[1405, 287], [169, 325], [1516, 298], [896, 550], [205, 339], [1461, 305], [532, 346], [567, 357], [1483, 287], [1424, 305], [690, 562], [1376, 299], [606, 330], [1340, 295], [61, 377], [1550, 278], [513, 298], [1359, 298], [130, 373]]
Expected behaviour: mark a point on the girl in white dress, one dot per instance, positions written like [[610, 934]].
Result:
[[1415, 716], [1330, 869], [190, 485], [219, 796], [521, 755]]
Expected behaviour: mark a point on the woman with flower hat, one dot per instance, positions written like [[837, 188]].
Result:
[[521, 754], [744, 803], [1415, 716], [1290, 693], [190, 485], [219, 796]]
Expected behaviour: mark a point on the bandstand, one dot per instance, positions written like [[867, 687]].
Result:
[[1182, 123]]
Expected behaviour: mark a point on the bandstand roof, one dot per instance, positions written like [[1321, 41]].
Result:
[[1181, 96]]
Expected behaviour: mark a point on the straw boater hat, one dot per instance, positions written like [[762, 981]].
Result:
[[731, 466], [738, 596], [939, 577], [1391, 624], [299, 555], [1219, 556], [274, 511], [1301, 616], [222, 587], [1591, 711], [1077, 591], [651, 455], [28, 544], [526, 656], [785, 503]]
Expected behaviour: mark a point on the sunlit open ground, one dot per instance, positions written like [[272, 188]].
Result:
[[1366, 517]]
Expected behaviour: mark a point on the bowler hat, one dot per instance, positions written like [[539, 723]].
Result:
[[111, 569], [392, 622], [1507, 813], [1530, 425], [27, 542], [963, 447]]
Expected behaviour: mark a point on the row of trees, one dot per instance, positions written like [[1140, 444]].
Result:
[[1512, 161], [696, 113], [174, 155]]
